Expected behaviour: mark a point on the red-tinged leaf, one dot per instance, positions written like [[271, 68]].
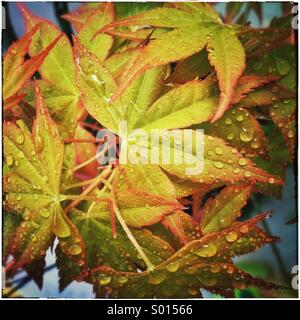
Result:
[[203, 263], [117, 62], [162, 51], [63, 106], [100, 45], [13, 101], [186, 105], [16, 70], [220, 212], [194, 67], [147, 180], [10, 224], [32, 188], [122, 255], [58, 67], [247, 84], [174, 224], [96, 85], [241, 130], [221, 164], [283, 114], [79, 17], [275, 168], [227, 55]]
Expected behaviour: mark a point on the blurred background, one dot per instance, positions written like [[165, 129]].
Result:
[[273, 262]]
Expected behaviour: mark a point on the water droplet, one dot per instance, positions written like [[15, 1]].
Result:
[[247, 174], [104, 280], [244, 229], [239, 118], [207, 251], [246, 135], [20, 138], [231, 236], [20, 155], [228, 121], [156, 277], [290, 134], [242, 161], [9, 159], [283, 66], [193, 291], [218, 151], [236, 170], [255, 144], [230, 136], [39, 144], [74, 250], [218, 164], [44, 213], [13, 51], [26, 214], [271, 180], [215, 269], [173, 267], [123, 279]]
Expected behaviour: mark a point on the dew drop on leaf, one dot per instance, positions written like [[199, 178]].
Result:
[[239, 118], [44, 213], [173, 267], [9, 159], [283, 66], [271, 180], [156, 277], [218, 151], [246, 135], [75, 250], [228, 121], [218, 164], [104, 280], [39, 144], [207, 251], [244, 229], [123, 279], [215, 269], [20, 139], [231, 236], [242, 161], [230, 136]]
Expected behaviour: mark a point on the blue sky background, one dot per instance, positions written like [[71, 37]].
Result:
[[284, 209]]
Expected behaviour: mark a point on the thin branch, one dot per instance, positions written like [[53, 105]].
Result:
[[90, 188], [130, 236]]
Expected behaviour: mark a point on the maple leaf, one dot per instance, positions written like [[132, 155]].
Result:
[[32, 188], [17, 71], [193, 29], [197, 265], [104, 249], [58, 69], [219, 213]]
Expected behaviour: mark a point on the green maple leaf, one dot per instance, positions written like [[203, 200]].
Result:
[[204, 263], [60, 90], [194, 27], [32, 188]]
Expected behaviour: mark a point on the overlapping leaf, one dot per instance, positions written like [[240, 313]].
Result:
[[203, 263], [194, 27], [32, 187]]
